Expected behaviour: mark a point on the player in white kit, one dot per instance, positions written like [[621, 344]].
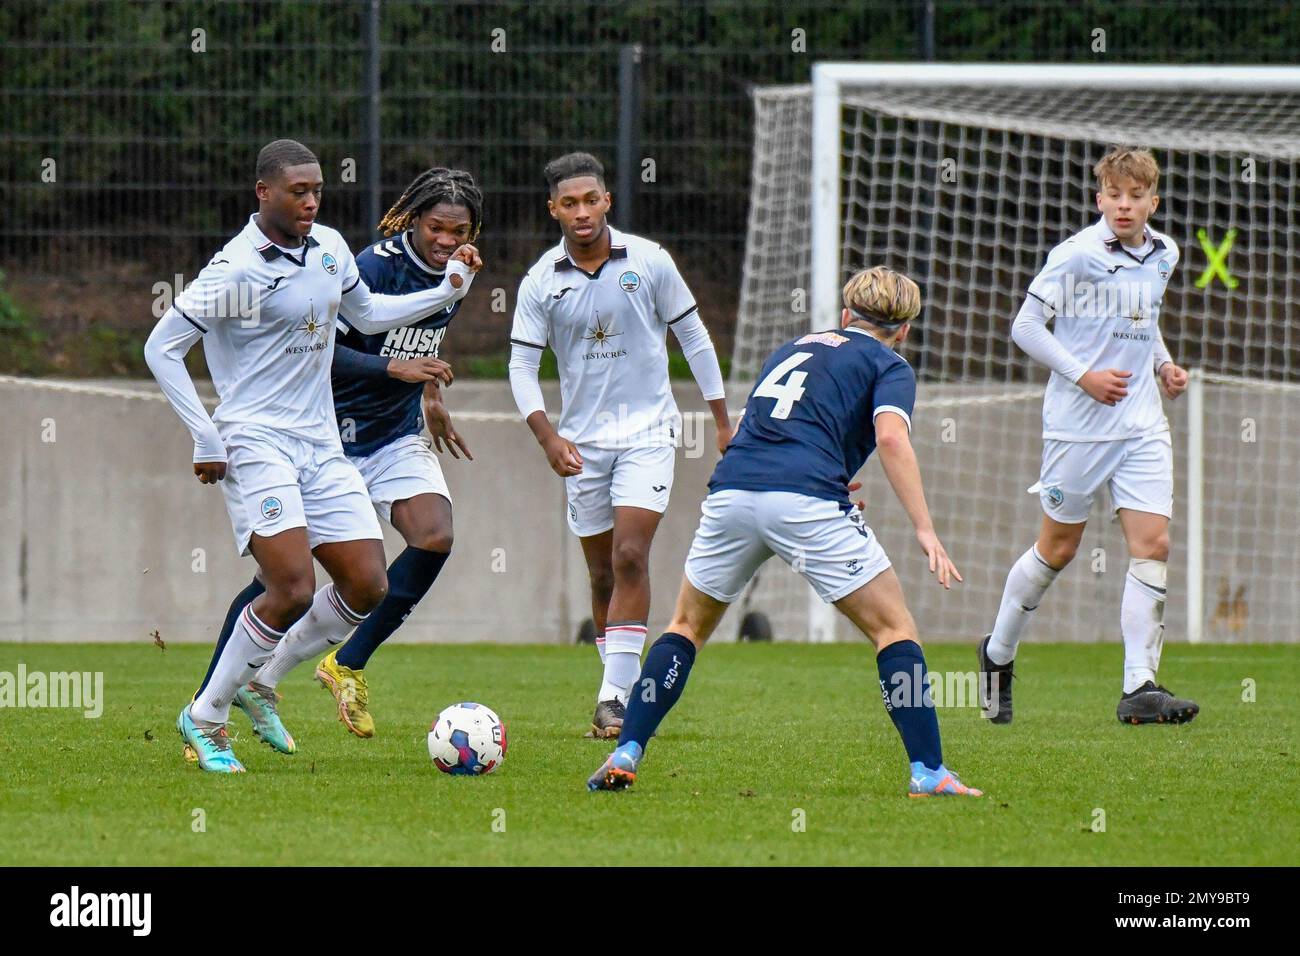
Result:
[[1103, 425], [265, 307], [603, 301]]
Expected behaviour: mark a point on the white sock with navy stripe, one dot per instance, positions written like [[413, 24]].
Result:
[[623, 644], [326, 625], [252, 643]]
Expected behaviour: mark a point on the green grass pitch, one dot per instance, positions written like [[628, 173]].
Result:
[[766, 736]]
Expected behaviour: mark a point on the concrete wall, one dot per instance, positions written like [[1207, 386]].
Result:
[[107, 535]]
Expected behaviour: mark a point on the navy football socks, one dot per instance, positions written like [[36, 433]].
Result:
[[410, 576], [663, 677], [906, 692], [241, 601]]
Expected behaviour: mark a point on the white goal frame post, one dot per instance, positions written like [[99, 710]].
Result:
[[829, 82]]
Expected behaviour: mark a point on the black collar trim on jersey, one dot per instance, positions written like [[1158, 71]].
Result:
[[565, 264], [270, 252], [1115, 245]]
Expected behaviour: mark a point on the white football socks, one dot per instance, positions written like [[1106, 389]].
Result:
[[623, 644], [251, 645], [600, 645], [1027, 581], [327, 624], [1142, 621]]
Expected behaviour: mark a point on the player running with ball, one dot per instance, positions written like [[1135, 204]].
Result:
[[824, 402], [265, 308], [603, 300], [1103, 424], [387, 387]]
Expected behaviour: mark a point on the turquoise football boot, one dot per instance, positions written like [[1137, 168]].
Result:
[[259, 704], [208, 744]]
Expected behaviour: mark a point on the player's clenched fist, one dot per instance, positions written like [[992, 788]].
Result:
[[210, 472], [468, 254], [563, 456], [1108, 385], [1173, 380]]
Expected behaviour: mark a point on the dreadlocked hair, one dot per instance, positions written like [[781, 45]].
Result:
[[433, 186]]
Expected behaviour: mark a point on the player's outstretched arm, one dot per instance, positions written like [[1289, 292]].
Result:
[[700, 355], [165, 353], [349, 363], [370, 312], [894, 446]]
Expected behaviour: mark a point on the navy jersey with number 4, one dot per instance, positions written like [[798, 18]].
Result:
[[377, 411], [809, 423]]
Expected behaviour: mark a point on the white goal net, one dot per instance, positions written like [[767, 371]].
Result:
[[964, 178]]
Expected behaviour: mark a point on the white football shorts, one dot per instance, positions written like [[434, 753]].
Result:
[[1139, 473], [399, 470], [831, 547], [275, 482], [640, 477]]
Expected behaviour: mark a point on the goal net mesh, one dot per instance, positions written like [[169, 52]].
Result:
[[966, 190]]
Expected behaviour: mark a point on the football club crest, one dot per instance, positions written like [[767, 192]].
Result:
[[330, 263], [629, 281], [1055, 497], [1163, 269], [271, 508]]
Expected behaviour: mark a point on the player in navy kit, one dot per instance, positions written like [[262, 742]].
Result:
[[823, 403], [387, 387]]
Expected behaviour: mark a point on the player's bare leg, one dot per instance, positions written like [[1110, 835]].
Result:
[[285, 567], [696, 615], [879, 611], [425, 522], [662, 680], [1027, 582], [597, 550], [359, 583], [625, 620], [1142, 614]]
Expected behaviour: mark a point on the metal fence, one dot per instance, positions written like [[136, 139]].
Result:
[[130, 126]]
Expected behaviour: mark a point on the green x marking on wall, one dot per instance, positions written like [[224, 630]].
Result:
[[1218, 259]]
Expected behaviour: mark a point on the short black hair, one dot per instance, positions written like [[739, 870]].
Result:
[[570, 166], [431, 187], [280, 153]]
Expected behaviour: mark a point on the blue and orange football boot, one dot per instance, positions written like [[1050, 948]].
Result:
[[938, 783], [618, 772]]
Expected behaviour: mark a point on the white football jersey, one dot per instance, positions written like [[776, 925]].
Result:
[[267, 318], [1104, 299], [608, 331]]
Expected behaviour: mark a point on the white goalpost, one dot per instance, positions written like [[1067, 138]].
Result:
[[964, 176]]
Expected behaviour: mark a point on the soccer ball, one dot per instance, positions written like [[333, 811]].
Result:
[[467, 739]]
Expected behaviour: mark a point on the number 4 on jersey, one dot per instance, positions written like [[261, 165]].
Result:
[[788, 393]]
